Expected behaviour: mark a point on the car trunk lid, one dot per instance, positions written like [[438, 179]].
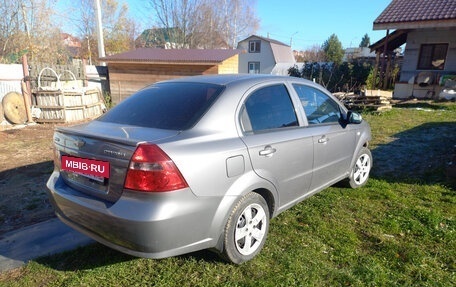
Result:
[[93, 158]]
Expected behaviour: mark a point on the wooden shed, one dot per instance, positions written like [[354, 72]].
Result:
[[133, 70]]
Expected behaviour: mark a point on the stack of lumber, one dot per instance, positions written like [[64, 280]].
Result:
[[370, 100]]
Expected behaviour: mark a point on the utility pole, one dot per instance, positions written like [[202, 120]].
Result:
[[101, 50], [291, 38]]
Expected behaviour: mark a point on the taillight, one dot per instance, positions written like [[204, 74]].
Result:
[[152, 170]]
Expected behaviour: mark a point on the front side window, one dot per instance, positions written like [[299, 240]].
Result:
[[318, 106], [254, 67], [268, 108], [255, 46], [432, 56]]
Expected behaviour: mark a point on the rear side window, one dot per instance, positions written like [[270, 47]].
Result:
[[171, 106], [268, 108]]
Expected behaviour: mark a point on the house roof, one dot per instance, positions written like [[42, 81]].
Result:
[[272, 41], [412, 14], [393, 41], [175, 56], [282, 54]]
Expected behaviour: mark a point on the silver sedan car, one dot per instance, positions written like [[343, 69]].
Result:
[[204, 162]]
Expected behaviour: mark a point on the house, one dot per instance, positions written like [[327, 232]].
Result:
[[159, 38], [135, 69], [72, 44], [172, 38], [351, 54], [428, 30], [265, 56]]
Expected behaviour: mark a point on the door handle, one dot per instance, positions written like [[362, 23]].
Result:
[[323, 140], [268, 151]]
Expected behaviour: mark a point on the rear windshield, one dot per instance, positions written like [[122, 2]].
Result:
[[170, 106]]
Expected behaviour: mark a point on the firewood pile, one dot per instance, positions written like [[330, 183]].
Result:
[[367, 100]]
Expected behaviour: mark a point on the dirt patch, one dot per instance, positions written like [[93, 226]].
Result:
[[25, 165]]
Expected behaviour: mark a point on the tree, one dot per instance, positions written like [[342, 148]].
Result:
[[333, 50], [365, 41], [205, 23], [177, 17], [119, 29], [26, 28], [344, 77], [312, 54]]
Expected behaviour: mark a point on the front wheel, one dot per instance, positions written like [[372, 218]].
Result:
[[361, 170], [246, 229]]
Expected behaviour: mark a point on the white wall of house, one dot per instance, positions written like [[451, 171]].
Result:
[[429, 36], [265, 57], [357, 52], [410, 76]]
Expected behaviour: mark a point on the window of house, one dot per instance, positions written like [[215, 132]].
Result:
[[254, 67], [268, 108], [254, 46], [432, 56]]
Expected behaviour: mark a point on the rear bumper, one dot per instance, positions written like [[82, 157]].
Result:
[[151, 225]]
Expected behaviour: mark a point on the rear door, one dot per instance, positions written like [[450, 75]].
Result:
[[280, 150], [334, 142]]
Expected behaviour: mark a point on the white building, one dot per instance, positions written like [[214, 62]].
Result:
[[265, 56]]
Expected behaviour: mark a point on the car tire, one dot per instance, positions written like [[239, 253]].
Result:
[[359, 174], [246, 229]]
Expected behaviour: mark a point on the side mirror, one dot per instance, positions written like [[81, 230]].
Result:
[[354, 118]]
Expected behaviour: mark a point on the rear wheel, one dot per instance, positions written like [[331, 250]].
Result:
[[361, 170], [246, 229]]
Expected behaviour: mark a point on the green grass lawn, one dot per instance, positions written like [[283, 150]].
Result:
[[399, 230]]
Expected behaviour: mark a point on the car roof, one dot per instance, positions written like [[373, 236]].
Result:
[[227, 79]]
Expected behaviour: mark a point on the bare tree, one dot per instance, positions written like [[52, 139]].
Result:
[[313, 54], [119, 30], [9, 27], [176, 19], [26, 28], [205, 23], [239, 19]]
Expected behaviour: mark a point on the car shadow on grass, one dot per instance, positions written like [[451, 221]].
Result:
[[96, 255], [84, 258], [422, 154]]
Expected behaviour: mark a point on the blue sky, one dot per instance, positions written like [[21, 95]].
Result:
[[311, 22], [304, 23]]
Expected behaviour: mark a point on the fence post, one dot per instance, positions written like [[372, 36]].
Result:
[[26, 91]]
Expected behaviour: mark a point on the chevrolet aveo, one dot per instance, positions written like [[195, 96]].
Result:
[[204, 162]]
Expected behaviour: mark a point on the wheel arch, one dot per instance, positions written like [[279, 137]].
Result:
[[359, 147], [269, 198], [263, 187]]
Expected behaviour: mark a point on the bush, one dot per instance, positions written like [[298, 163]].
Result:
[[346, 77]]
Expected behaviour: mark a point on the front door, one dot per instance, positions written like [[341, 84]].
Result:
[[334, 143], [280, 151]]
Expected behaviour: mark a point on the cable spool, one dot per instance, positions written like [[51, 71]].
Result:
[[14, 108], [1, 114]]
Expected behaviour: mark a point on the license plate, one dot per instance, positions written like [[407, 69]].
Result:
[[95, 169]]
